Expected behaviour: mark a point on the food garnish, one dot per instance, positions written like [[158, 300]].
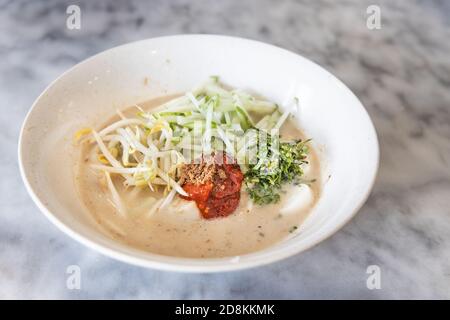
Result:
[[264, 180], [202, 146], [217, 192]]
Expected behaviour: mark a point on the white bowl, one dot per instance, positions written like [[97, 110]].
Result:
[[329, 112]]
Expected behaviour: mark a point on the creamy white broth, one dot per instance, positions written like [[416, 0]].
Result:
[[178, 229]]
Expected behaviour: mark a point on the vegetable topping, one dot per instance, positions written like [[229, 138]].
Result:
[[234, 134]]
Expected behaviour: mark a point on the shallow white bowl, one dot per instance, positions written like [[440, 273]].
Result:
[[93, 89]]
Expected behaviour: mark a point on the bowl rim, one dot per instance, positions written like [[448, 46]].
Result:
[[196, 265]]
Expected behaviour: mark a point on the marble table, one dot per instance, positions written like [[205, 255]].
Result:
[[401, 72]]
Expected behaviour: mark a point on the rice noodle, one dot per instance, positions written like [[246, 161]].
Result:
[[120, 114], [155, 207], [168, 199], [120, 170], [115, 197]]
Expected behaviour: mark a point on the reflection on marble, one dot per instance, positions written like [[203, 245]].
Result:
[[401, 73]]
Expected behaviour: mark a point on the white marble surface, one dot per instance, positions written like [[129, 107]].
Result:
[[401, 73]]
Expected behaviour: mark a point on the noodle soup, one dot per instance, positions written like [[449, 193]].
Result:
[[179, 228]]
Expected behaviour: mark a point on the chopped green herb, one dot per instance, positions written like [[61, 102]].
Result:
[[275, 167]]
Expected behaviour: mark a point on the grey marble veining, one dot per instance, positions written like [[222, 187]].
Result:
[[400, 72]]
